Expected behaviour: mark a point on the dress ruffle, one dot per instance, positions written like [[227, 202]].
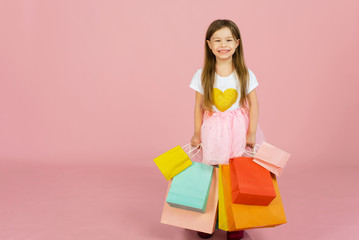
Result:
[[223, 135]]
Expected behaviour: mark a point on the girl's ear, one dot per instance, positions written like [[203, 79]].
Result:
[[238, 40], [209, 43]]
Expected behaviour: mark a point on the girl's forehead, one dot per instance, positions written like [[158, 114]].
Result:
[[222, 33]]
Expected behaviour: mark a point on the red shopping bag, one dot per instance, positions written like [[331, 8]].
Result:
[[251, 183]]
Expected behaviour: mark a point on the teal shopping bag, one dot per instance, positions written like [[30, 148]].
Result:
[[190, 188]]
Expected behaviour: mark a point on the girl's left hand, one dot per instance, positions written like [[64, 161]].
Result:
[[250, 140]]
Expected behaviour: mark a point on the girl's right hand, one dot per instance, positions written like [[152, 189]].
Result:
[[196, 140]]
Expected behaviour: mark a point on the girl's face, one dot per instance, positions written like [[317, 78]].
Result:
[[223, 44]]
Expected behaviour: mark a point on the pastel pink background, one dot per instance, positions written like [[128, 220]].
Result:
[[92, 91]]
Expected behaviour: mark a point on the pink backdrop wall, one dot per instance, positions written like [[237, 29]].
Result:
[[107, 81], [92, 91]]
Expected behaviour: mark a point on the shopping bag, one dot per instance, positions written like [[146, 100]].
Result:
[[225, 216], [251, 183], [203, 222], [270, 157], [252, 216], [190, 188], [172, 162]]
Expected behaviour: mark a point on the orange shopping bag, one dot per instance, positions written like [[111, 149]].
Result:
[[251, 216], [251, 183]]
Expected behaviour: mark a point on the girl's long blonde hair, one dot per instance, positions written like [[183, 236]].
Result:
[[209, 69]]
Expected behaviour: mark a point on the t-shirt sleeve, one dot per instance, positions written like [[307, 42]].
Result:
[[196, 83], [252, 83]]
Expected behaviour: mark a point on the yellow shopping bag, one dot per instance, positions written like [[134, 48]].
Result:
[[173, 162], [225, 214], [222, 215], [250, 216]]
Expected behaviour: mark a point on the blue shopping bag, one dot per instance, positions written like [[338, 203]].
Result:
[[190, 188]]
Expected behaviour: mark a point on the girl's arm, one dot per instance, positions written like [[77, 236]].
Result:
[[253, 118], [198, 118]]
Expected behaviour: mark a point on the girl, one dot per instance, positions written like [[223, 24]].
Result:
[[226, 100]]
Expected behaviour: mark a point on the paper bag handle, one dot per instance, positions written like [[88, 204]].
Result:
[[252, 153], [191, 150]]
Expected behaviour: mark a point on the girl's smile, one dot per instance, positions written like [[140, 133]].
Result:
[[223, 51]]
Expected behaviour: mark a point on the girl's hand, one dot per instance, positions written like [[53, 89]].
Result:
[[196, 140], [250, 140]]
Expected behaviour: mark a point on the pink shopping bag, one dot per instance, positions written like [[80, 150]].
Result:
[[270, 157], [197, 221]]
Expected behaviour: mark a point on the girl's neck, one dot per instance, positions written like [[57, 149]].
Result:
[[224, 67]]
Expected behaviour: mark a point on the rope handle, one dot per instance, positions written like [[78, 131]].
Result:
[[188, 146], [252, 153]]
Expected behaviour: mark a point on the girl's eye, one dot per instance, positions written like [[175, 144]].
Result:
[[227, 40]]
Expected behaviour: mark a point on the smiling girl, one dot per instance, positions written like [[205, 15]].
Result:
[[226, 105]]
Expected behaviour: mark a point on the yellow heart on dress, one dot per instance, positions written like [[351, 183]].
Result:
[[224, 100]]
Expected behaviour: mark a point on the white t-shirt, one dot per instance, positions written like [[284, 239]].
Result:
[[226, 90]]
